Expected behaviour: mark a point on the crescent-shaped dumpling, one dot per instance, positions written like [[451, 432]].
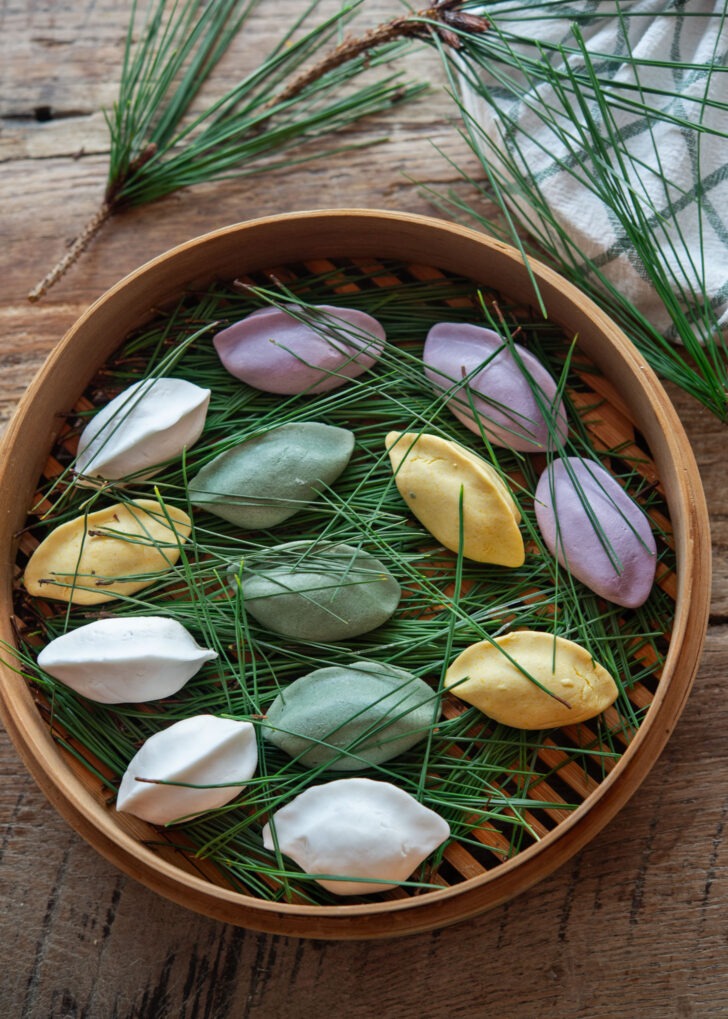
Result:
[[152, 421], [318, 591], [431, 472], [531, 680], [197, 764], [125, 659], [263, 481], [115, 551], [365, 835], [596, 530], [499, 387], [295, 350], [351, 716]]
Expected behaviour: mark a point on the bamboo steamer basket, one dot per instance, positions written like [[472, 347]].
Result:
[[310, 237]]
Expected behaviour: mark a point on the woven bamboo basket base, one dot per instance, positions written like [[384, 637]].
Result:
[[569, 782]]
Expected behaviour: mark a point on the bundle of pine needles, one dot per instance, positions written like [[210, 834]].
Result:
[[160, 142], [500, 789], [305, 89], [532, 111]]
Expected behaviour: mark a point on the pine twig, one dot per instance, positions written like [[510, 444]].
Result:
[[82, 241], [74, 252], [439, 19], [443, 19]]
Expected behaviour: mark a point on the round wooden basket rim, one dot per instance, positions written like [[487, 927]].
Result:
[[75, 803]]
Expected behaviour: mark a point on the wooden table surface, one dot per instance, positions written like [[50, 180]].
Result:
[[635, 925]]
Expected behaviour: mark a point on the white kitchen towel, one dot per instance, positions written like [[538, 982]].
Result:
[[677, 157]]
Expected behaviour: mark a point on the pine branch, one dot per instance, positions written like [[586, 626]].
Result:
[[155, 151], [440, 20]]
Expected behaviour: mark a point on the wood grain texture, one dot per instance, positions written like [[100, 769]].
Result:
[[634, 925]]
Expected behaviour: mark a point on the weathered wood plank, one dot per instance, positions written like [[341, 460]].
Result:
[[635, 924]]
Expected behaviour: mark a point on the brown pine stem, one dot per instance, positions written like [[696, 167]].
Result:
[[74, 252], [439, 19], [108, 207]]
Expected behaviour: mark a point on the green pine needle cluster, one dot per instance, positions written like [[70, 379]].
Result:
[[275, 117], [500, 789], [158, 145], [574, 98]]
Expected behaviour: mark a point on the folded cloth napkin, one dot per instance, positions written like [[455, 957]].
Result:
[[666, 55]]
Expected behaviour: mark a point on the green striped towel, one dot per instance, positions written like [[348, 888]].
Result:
[[666, 74]]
